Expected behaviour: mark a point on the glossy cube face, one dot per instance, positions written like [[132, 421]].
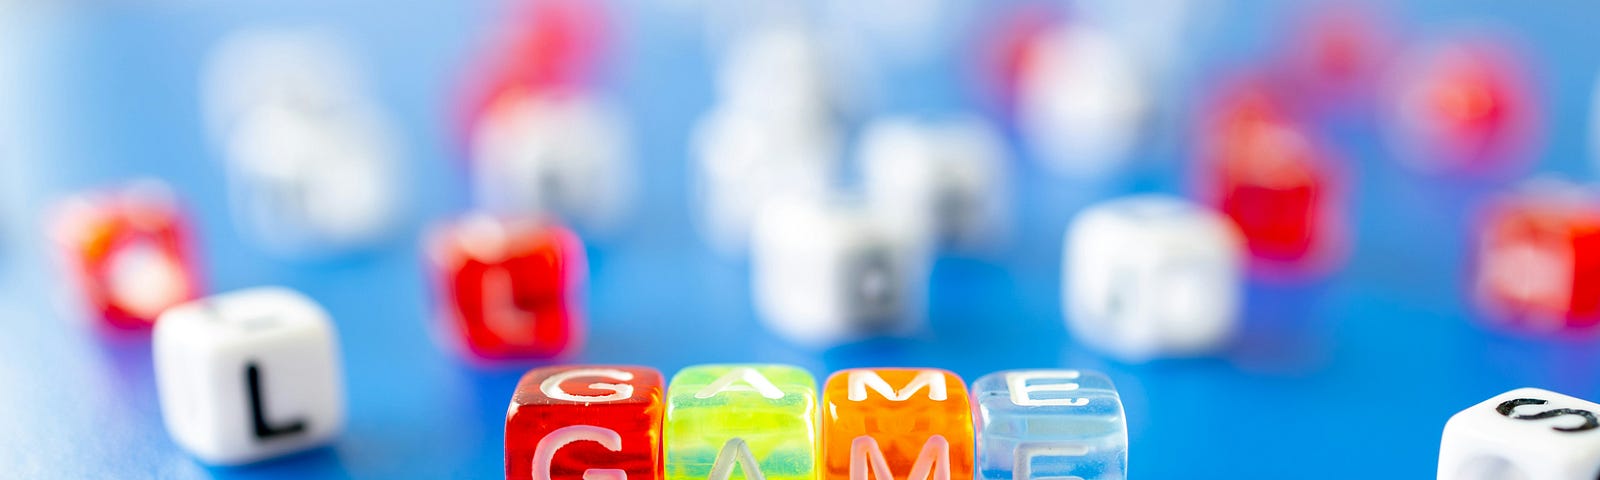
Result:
[[554, 153], [896, 423], [940, 180], [249, 375], [1039, 424], [1523, 433], [1152, 275], [585, 423], [129, 252], [1536, 260], [510, 288], [728, 420], [826, 271]]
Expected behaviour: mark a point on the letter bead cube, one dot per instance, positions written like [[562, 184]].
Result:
[[555, 153], [944, 181], [129, 252], [1276, 180], [1537, 253], [1042, 424], [1152, 275], [826, 271], [1527, 433], [510, 288], [896, 423], [585, 422], [249, 375], [758, 420], [312, 162]]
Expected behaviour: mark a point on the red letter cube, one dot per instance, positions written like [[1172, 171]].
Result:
[[511, 288], [1538, 259], [1266, 172], [129, 252], [585, 423]]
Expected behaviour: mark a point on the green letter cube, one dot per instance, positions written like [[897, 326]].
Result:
[[758, 421]]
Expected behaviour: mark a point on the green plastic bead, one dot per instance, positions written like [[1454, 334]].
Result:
[[722, 420]]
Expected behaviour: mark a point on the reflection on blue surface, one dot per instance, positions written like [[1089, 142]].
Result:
[[1365, 365]]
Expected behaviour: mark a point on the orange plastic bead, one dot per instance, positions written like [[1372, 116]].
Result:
[[889, 423]]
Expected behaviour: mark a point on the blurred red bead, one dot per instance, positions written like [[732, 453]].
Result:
[[585, 423], [1464, 106], [129, 252], [1007, 45], [1272, 177], [549, 45], [1538, 258], [1334, 56], [510, 288]]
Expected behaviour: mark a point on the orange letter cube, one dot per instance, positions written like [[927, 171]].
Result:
[[896, 423]]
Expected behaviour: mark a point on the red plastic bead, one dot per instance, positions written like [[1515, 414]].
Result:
[[1465, 106], [511, 288], [129, 252], [1538, 259], [1009, 45], [585, 423], [1270, 175], [1335, 56], [552, 45]]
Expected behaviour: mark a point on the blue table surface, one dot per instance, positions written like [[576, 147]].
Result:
[[1351, 375]]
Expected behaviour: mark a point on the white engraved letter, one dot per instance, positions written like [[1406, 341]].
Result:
[[736, 450], [619, 391], [933, 463], [861, 380], [1017, 383], [753, 382], [546, 450]]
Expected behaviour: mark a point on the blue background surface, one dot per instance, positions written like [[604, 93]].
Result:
[[1353, 375]]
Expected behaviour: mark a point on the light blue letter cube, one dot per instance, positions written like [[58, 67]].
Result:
[[1039, 424]]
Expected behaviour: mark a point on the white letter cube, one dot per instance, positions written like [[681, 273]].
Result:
[[826, 271], [1152, 275], [944, 182], [249, 375], [1527, 433], [564, 154]]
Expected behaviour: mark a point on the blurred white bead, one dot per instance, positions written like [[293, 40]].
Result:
[[779, 73], [942, 181], [743, 159], [1152, 275], [308, 68], [302, 182], [826, 271], [249, 375], [312, 163], [564, 153], [1083, 102]]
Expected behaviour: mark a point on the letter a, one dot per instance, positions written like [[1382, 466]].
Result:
[[736, 450], [753, 382]]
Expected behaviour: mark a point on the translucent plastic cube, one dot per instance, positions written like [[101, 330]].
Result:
[[1049, 424]]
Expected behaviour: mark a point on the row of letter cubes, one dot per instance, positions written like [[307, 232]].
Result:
[[255, 374], [767, 422]]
